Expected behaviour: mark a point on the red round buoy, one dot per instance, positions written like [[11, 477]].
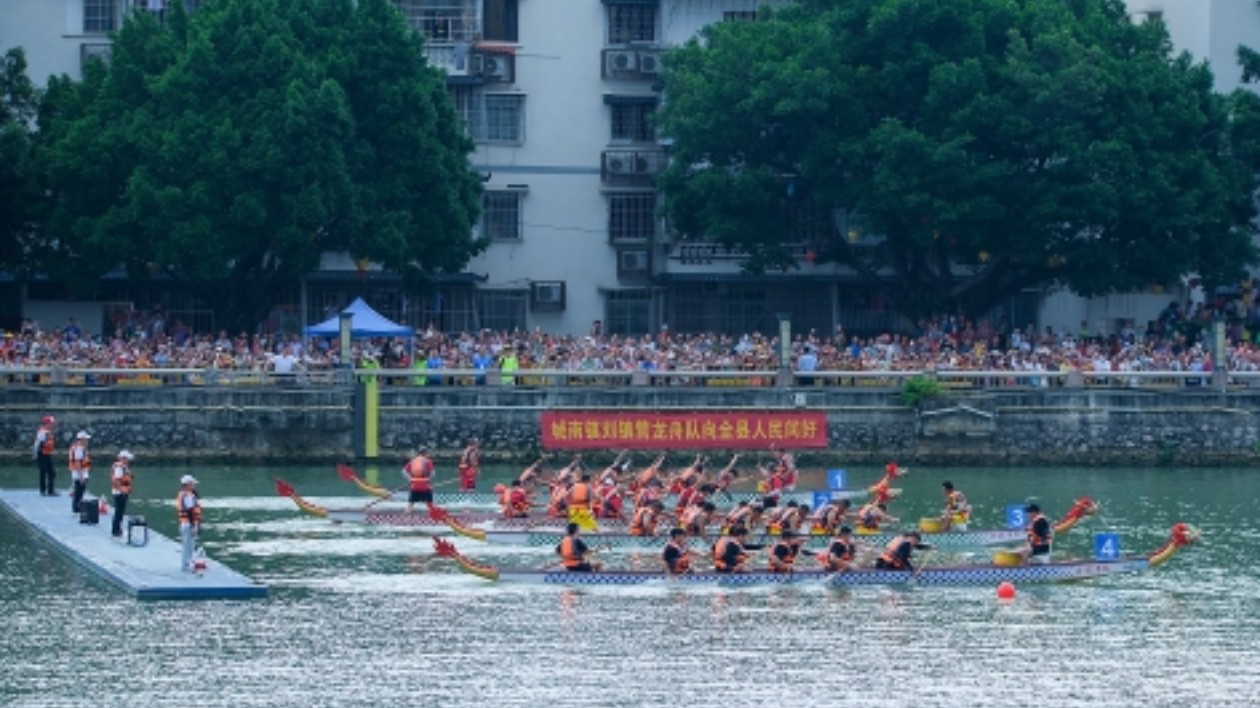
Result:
[[1006, 590]]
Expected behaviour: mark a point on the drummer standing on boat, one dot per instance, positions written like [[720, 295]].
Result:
[[419, 475]]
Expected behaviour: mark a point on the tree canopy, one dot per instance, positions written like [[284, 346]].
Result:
[[18, 104], [234, 146], [959, 152]]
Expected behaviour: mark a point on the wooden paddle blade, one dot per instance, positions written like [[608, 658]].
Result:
[[284, 489], [346, 472]]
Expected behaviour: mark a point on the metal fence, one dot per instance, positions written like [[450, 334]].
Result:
[[549, 378]]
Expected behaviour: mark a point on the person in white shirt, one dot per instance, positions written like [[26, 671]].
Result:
[[188, 507], [80, 463]]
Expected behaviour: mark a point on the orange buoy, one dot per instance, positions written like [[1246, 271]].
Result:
[[1006, 590]]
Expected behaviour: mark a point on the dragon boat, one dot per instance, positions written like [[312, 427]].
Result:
[[458, 500], [550, 536], [990, 575], [434, 519]]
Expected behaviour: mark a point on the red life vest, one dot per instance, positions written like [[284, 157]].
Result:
[[48, 442], [420, 469]]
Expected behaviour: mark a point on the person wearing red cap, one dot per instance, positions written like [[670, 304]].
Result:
[[42, 453]]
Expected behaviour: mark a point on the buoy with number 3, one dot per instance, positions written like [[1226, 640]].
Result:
[[1006, 590]]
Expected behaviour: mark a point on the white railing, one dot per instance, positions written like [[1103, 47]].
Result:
[[548, 378]]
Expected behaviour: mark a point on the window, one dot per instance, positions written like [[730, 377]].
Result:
[[501, 215], [99, 16], [632, 121], [491, 118], [628, 312], [631, 23], [500, 21], [501, 310], [441, 21], [631, 216], [739, 15]]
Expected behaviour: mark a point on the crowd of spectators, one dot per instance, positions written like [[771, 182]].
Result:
[[1179, 340]]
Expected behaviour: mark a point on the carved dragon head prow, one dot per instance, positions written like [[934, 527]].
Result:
[[1080, 509], [1181, 535], [446, 549], [285, 489]]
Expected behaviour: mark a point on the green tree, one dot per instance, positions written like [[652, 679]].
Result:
[[234, 146], [18, 103], [977, 148]]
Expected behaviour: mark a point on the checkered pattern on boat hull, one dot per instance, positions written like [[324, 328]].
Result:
[[965, 539], [961, 575]]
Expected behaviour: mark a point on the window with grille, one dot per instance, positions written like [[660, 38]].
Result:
[[491, 118], [502, 310], [501, 215], [99, 16], [633, 122], [631, 216], [631, 23], [441, 21], [739, 15], [628, 312]]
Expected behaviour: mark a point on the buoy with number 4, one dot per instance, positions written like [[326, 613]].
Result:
[[1006, 590]]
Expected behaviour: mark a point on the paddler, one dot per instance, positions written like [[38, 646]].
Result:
[[529, 476], [516, 504], [832, 516], [645, 519], [841, 554], [747, 515], [957, 511], [610, 501], [897, 554], [1040, 535], [696, 519], [871, 515], [788, 518], [648, 475], [676, 556], [726, 478], [729, 553], [470, 466], [419, 475], [783, 553], [573, 551]]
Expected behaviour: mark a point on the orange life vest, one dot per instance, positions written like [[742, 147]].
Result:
[[568, 552], [121, 483], [579, 496], [420, 470], [48, 442], [780, 565], [80, 460], [644, 522], [188, 514], [719, 550], [890, 555]]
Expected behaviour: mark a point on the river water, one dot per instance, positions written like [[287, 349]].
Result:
[[366, 616]]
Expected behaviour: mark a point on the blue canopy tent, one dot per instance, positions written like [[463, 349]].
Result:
[[364, 322]]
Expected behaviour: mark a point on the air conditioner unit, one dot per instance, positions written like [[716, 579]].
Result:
[[619, 62], [493, 67], [634, 261], [649, 163], [548, 296], [620, 163], [649, 62]]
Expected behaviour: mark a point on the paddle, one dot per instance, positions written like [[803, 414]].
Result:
[[923, 563], [387, 496]]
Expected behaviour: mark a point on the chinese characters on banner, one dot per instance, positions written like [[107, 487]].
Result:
[[579, 430]]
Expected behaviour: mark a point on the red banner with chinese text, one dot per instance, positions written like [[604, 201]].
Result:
[[580, 430]]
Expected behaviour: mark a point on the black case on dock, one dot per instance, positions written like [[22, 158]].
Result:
[[90, 511]]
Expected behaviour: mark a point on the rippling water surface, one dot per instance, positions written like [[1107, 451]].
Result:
[[367, 617]]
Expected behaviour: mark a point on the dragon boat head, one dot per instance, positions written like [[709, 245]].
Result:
[[1184, 534], [446, 549], [1084, 507], [346, 472]]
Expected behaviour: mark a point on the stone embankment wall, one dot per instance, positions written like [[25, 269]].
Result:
[[276, 425]]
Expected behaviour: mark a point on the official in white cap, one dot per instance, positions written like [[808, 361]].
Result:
[[80, 467], [188, 506], [120, 481]]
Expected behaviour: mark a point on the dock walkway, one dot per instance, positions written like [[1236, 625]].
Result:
[[148, 572]]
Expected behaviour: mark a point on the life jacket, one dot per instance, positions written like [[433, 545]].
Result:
[[190, 514], [719, 551], [579, 496], [644, 522], [1035, 539], [80, 460], [121, 485], [783, 565], [890, 556], [611, 508], [831, 560], [683, 563], [568, 552], [518, 502], [956, 505], [420, 469], [693, 520], [49, 441], [870, 516]]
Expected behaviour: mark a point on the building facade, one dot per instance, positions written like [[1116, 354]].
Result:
[[558, 97]]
